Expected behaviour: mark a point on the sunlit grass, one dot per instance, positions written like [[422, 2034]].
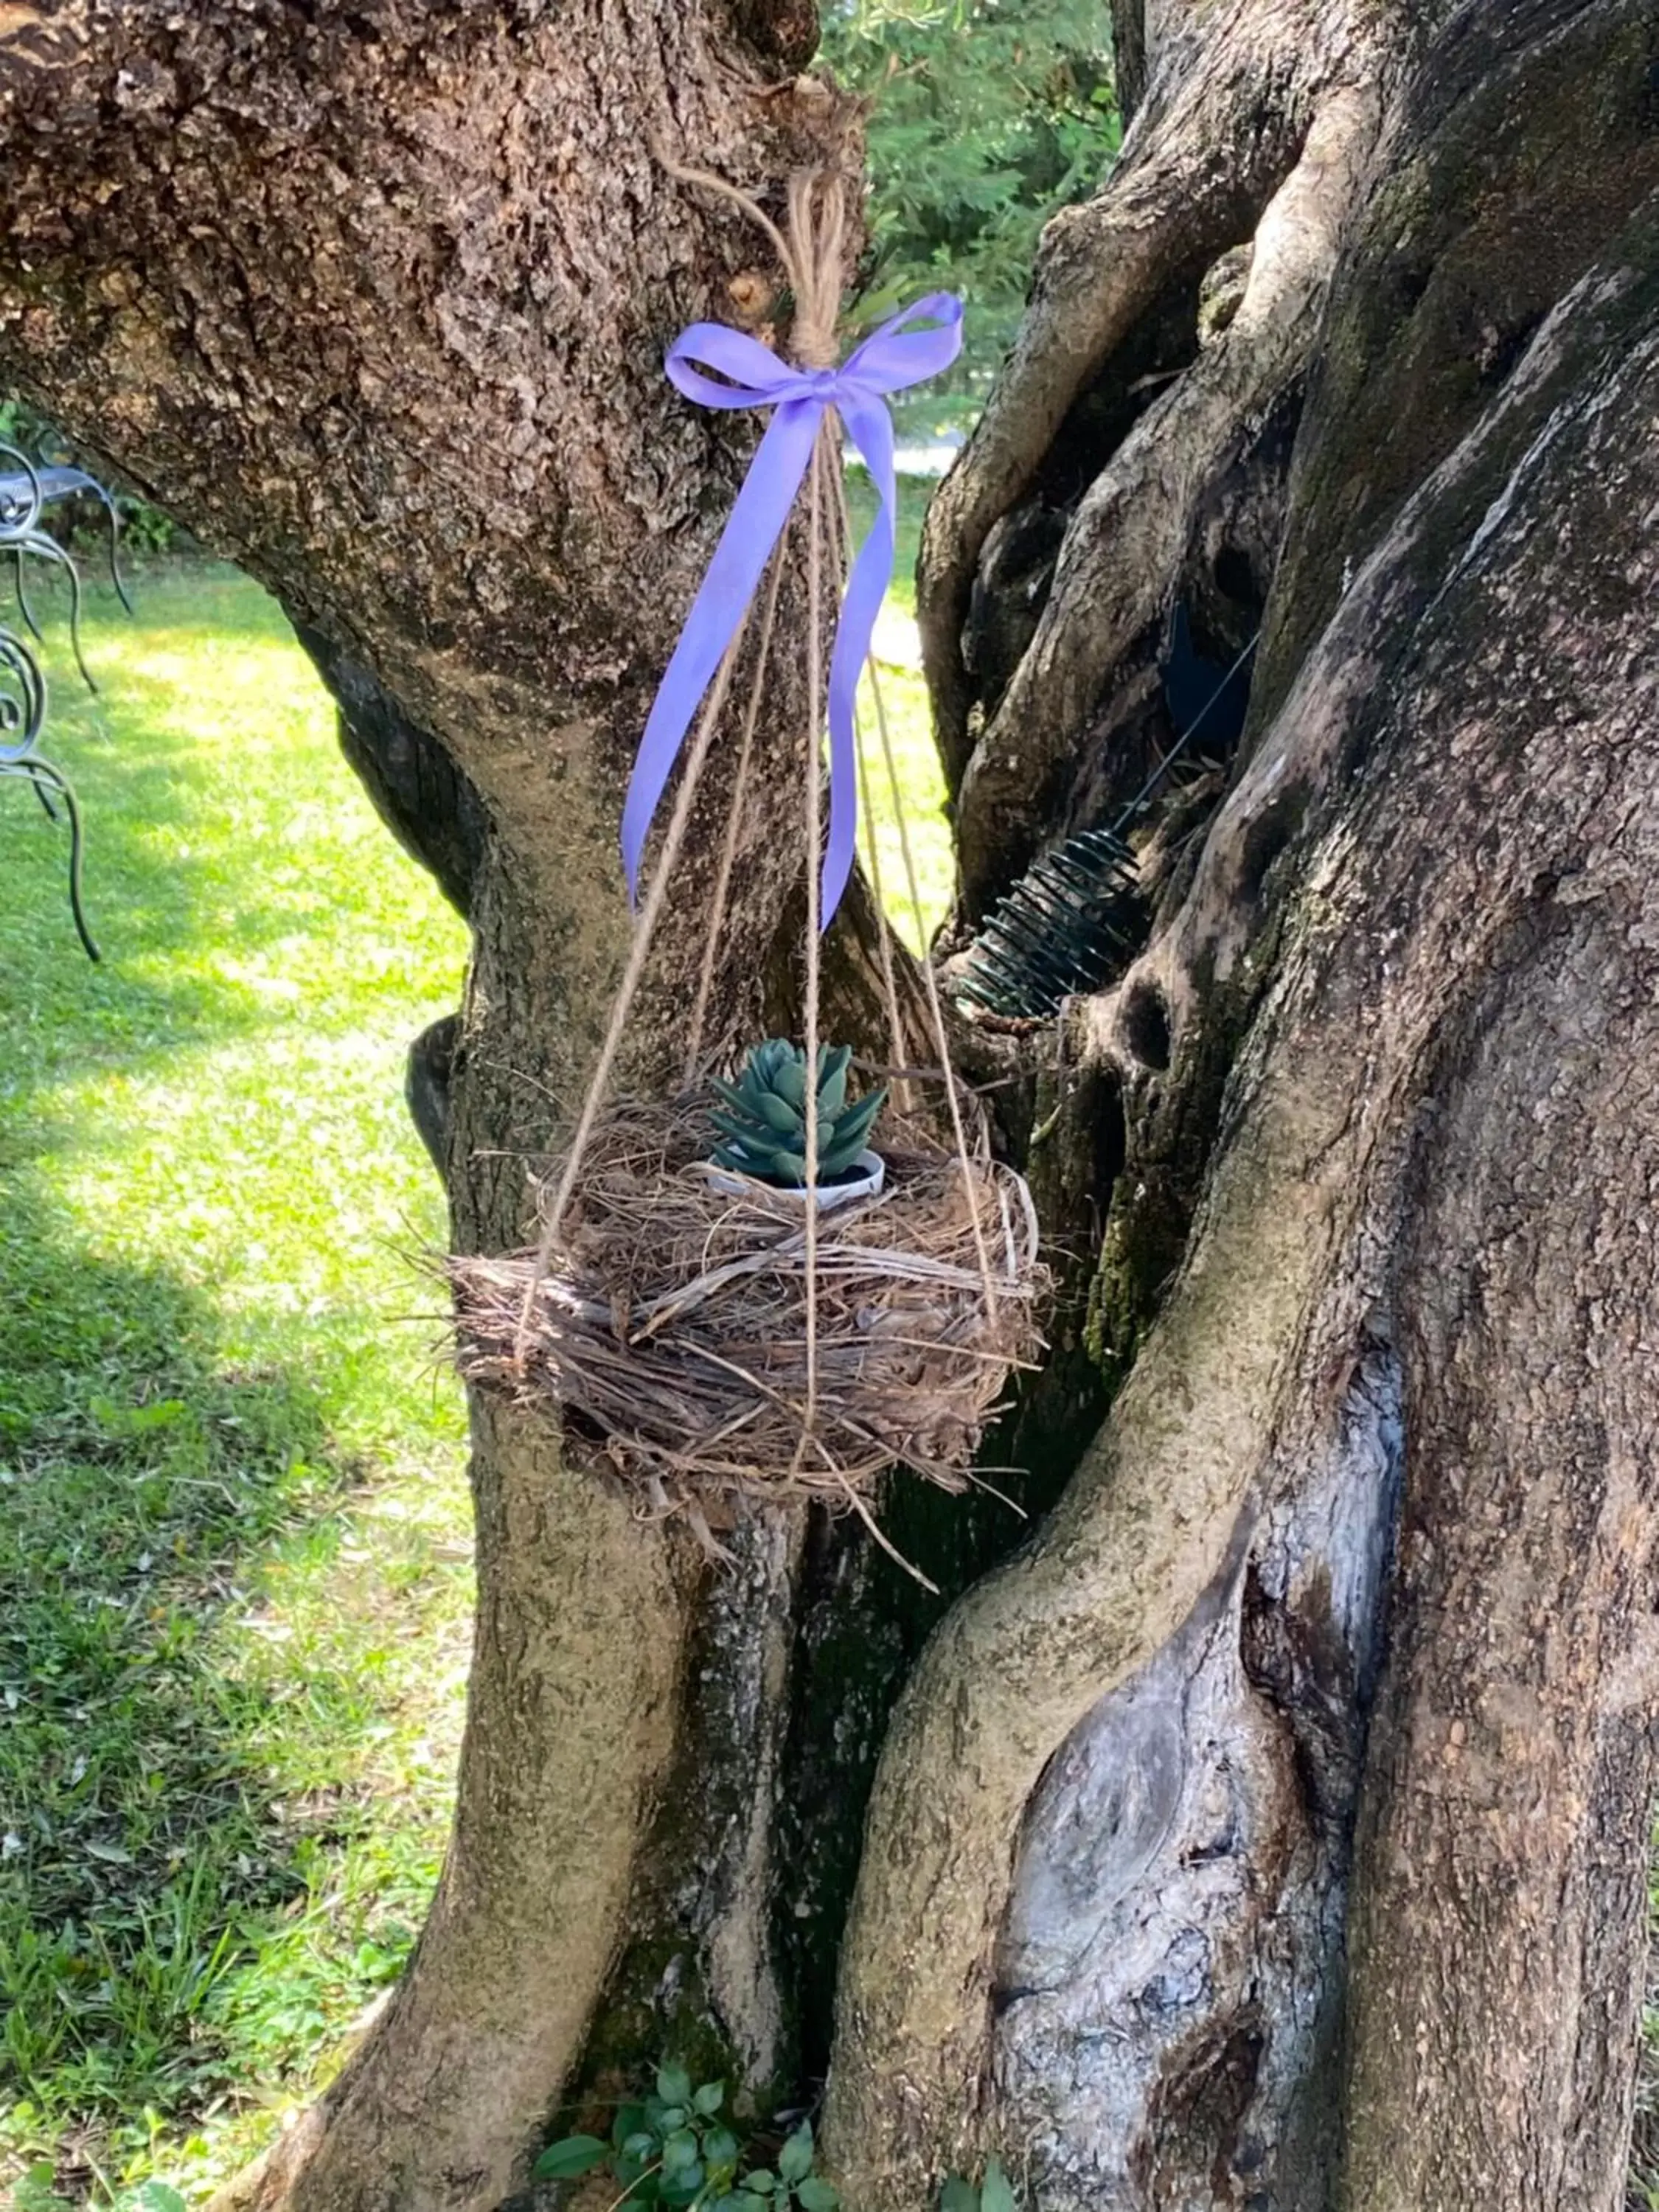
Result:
[[919, 778], [920, 802], [235, 1572]]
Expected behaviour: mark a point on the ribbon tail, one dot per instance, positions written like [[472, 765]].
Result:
[[752, 529], [871, 428]]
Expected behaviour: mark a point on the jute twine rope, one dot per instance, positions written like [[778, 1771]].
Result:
[[813, 790], [810, 253]]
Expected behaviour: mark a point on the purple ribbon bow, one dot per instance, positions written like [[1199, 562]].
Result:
[[891, 359]]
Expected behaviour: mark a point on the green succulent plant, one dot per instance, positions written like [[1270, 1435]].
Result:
[[762, 1117]]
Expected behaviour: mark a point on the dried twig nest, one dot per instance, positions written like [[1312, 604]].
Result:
[[672, 1318]]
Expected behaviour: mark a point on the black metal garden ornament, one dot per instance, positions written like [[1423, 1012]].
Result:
[[1077, 917], [25, 492]]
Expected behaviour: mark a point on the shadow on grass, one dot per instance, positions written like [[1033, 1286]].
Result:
[[138, 1835], [163, 1841], [152, 892]]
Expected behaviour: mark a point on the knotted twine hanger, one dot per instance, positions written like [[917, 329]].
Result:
[[811, 255]]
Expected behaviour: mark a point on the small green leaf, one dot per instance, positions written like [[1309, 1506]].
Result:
[[629, 2122], [996, 2192], [958, 2196], [680, 2151], [681, 2188], [720, 2149], [574, 2155], [795, 2159], [817, 2195], [640, 2145], [674, 2086], [778, 1113], [763, 2181], [709, 2099], [833, 1060]]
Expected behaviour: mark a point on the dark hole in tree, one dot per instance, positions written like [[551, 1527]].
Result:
[[1498, 358], [1235, 578], [1265, 840], [1145, 1022]]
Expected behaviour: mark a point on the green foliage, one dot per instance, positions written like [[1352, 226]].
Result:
[[25, 425], [36, 2191], [995, 2193], [673, 2148], [986, 116], [763, 1116], [144, 528], [233, 1530]]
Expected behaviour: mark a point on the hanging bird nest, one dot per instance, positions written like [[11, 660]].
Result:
[[726, 1341], [670, 1319]]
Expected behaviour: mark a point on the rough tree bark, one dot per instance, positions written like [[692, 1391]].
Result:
[[1267, 1832], [1365, 1547]]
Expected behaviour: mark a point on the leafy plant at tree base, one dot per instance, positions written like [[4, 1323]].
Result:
[[763, 1121], [674, 2148], [35, 2191], [995, 2193]]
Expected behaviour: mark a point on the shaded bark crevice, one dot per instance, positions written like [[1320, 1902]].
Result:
[[420, 794]]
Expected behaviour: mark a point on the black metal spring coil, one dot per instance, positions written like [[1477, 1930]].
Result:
[[1075, 918]]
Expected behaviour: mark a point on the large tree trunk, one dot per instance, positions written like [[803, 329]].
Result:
[[1267, 1832], [376, 300], [1389, 1069]]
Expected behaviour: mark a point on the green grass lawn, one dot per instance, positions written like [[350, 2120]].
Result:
[[235, 1572]]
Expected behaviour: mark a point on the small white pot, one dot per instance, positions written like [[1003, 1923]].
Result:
[[866, 1183]]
